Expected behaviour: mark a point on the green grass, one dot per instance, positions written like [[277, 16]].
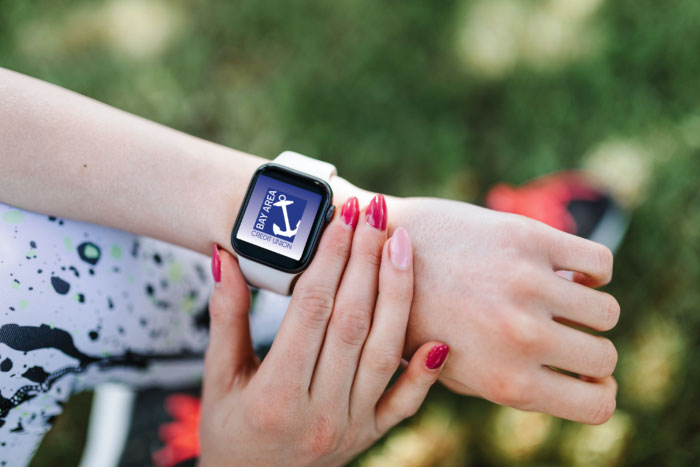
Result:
[[383, 90]]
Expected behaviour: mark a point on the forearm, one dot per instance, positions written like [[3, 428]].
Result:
[[67, 155]]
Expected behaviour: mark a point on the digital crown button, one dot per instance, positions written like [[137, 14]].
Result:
[[329, 213]]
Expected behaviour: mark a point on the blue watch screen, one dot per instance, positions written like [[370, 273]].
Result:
[[279, 217]]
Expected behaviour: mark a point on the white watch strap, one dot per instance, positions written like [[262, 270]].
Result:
[[302, 163], [265, 277]]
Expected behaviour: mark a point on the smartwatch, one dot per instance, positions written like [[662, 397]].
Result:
[[285, 210]]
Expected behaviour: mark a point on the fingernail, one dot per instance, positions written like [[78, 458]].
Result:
[[400, 248], [216, 264], [350, 212], [568, 275], [376, 213], [437, 356]]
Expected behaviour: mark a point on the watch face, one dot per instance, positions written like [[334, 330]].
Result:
[[282, 217]]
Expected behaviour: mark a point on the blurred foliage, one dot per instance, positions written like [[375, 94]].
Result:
[[62, 446], [445, 99]]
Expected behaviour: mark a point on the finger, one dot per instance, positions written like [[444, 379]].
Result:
[[579, 278], [403, 399], [579, 352], [583, 305], [588, 281], [295, 350], [381, 355], [571, 253], [564, 396], [354, 306], [230, 352]]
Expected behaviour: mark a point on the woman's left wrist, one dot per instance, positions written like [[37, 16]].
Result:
[[343, 190]]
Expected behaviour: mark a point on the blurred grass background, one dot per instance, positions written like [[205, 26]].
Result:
[[444, 99]]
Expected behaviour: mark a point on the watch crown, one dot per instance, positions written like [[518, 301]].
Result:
[[329, 213]]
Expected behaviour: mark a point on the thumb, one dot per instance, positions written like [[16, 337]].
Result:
[[230, 357], [405, 397]]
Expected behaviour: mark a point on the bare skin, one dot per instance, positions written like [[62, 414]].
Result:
[[320, 396], [485, 281]]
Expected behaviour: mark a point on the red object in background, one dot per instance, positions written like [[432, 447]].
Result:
[[544, 199], [181, 437]]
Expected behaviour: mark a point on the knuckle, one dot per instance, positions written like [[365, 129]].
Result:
[[336, 241], [408, 411], [510, 388], [421, 379], [322, 437], [520, 226], [404, 410], [534, 234], [521, 331], [315, 303], [368, 252], [522, 285], [604, 411], [518, 233], [352, 325], [218, 311], [384, 363]]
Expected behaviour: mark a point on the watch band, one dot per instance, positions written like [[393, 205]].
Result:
[[262, 276], [305, 164]]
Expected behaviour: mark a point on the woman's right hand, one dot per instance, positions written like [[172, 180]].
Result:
[[320, 395], [486, 282]]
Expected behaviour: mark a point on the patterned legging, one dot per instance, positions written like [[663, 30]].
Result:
[[82, 304]]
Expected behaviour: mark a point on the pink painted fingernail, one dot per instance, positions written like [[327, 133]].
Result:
[[400, 249], [437, 356], [376, 214], [216, 264], [350, 212]]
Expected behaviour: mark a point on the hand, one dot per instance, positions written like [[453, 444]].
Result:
[[485, 283], [320, 396]]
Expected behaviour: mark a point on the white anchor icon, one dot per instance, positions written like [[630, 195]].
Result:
[[283, 203]]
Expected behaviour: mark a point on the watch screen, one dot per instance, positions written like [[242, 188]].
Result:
[[279, 217]]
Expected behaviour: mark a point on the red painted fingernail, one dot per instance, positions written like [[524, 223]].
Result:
[[437, 356], [376, 213], [350, 212], [216, 264]]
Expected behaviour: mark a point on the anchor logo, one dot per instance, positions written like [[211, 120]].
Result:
[[280, 214], [283, 203]]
